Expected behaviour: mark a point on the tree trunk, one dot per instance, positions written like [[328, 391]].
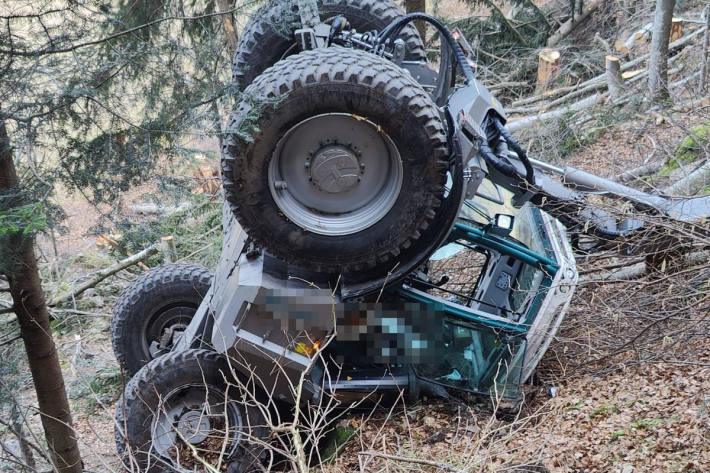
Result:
[[613, 77], [658, 63], [548, 68], [20, 267], [706, 50], [418, 6], [230, 31]]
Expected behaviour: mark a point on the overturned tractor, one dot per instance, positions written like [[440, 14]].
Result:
[[384, 233]]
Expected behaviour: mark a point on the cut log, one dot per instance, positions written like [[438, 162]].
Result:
[[103, 274], [106, 240], [167, 248], [529, 122], [154, 209], [676, 29], [591, 86], [548, 68], [691, 184], [631, 74], [208, 179], [613, 77], [645, 170], [568, 26], [639, 36], [543, 96]]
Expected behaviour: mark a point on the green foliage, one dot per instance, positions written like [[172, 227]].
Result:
[[604, 410], [689, 150], [103, 388], [25, 219], [197, 231], [692, 146], [527, 29], [335, 440], [108, 115], [575, 406], [648, 424]]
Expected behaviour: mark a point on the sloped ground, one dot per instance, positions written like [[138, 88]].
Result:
[[641, 419]]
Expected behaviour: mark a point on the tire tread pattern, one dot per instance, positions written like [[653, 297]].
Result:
[[135, 294], [141, 389], [331, 65], [260, 31]]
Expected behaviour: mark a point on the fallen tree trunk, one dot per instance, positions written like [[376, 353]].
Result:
[[692, 183], [645, 170], [599, 82], [528, 122], [103, 274], [568, 26], [602, 84], [639, 270], [539, 118]]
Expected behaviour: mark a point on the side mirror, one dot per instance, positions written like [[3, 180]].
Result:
[[501, 225]]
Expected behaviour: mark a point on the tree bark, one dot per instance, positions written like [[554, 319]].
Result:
[[548, 68], [418, 6], [230, 31], [658, 62], [706, 47], [613, 77], [20, 267]]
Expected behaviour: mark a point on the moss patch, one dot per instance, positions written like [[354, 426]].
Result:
[[689, 149]]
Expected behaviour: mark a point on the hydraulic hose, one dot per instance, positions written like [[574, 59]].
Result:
[[393, 29], [501, 166], [529, 170]]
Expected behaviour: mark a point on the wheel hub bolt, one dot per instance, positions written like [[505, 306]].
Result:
[[280, 185]]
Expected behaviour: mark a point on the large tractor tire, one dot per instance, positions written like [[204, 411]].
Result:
[[268, 36], [154, 311], [183, 408], [336, 160]]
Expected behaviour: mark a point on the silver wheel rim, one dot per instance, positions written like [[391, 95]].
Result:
[[335, 174], [191, 413]]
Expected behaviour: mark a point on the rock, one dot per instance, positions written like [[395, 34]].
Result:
[[94, 301]]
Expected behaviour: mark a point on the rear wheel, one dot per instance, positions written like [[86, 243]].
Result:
[[155, 310], [181, 410], [336, 161], [268, 37]]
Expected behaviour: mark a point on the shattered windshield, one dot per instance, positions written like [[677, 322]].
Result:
[[477, 358]]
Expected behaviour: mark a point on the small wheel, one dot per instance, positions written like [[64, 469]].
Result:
[[181, 410], [268, 36], [154, 311], [336, 161]]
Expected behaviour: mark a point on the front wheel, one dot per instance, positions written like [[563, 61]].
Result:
[[182, 412], [155, 310]]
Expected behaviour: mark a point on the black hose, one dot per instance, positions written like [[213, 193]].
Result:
[[393, 29], [529, 171], [501, 166]]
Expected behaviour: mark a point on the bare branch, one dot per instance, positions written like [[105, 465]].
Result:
[[74, 47]]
